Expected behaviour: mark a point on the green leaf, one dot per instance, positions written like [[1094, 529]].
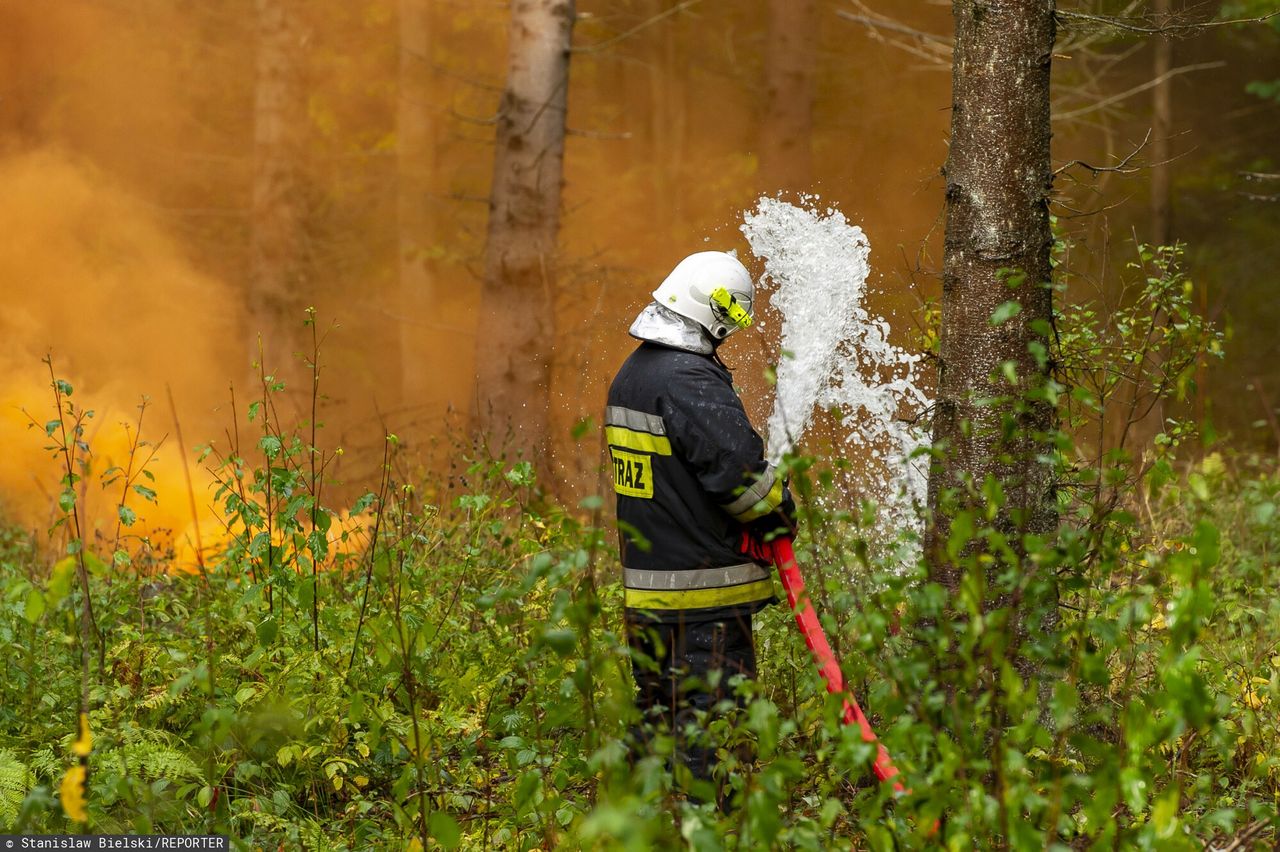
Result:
[[1199, 486], [1005, 312], [127, 516], [306, 593], [267, 630], [67, 500], [145, 493], [444, 828], [560, 640], [1164, 816], [355, 708], [60, 580], [35, 606], [94, 565]]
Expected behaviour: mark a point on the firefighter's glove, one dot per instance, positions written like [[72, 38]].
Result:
[[756, 548]]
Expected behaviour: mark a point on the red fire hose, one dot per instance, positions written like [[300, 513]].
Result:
[[784, 556]]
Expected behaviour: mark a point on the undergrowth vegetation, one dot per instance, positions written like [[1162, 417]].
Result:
[[441, 664]]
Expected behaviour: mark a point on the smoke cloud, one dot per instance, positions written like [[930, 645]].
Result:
[[91, 279]]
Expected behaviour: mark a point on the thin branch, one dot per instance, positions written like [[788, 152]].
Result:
[[1164, 29], [1150, 84], [643, 25], [1080, 214], [1121, 167], [933, 48], [1244, 839], [597, 134], [879, 22], [469, 119]]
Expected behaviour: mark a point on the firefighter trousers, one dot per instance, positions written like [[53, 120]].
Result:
[[676, 690]]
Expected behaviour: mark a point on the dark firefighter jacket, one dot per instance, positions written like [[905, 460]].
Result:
[[689, 472]]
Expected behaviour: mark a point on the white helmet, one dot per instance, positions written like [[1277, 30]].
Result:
[[711, 288]]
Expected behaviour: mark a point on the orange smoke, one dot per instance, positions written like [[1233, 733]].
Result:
[[92, 279]]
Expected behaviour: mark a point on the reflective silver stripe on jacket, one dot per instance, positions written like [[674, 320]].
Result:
[[616, 415], [755, 493], [701, 578]]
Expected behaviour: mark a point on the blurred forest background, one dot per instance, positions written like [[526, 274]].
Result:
[[180, 178]]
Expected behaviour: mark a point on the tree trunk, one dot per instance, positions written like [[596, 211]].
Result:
[[415, 151], [277, 268], [1161, 130], [517, 321], [669, 85], [786, 161], [1141, 433], [997, 246]]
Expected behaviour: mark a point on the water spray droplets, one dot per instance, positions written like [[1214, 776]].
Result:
[[837, 355]]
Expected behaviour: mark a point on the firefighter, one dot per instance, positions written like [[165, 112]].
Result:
[[695, 497]]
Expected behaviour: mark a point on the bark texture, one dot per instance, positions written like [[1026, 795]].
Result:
[[277, 255], [415, 153], [998, 177], [786, 160], [517, 321]]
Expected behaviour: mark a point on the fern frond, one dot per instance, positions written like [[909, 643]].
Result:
[[15, 781], [153, 761]]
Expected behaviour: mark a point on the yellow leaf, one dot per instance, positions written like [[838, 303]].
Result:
[[84, 742], [73, 794], [1251, 698], [414, 845], [361, 781]]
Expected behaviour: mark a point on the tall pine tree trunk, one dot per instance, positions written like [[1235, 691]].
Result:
[[517, 321], [997, 247], [415, 150], [786, 160], [277, 254]]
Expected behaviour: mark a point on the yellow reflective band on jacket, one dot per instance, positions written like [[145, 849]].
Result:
[[761, 590], [767, 504], [643, 442], [759, 499]]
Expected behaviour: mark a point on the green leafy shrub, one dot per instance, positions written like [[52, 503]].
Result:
[[442, 663]]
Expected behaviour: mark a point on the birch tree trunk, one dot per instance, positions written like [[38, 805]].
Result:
[[997, 247], [277, 253], [786, 160], [415, 150], [517, 321]]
